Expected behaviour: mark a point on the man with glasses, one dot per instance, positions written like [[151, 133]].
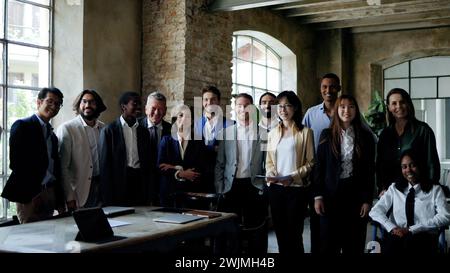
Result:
[[79, 151], [35, 183]]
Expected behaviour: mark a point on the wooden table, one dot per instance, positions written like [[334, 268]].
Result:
[[142, 234]]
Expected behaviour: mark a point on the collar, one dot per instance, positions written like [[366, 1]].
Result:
[[322, 107], [124, 123], [150, 124], [273, 123], [86, 125], [349, 131], [43, 124]]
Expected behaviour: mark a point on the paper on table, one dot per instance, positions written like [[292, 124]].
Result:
[[275, 177], [116, 223]]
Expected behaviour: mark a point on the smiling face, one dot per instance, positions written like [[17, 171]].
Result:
[[243, 109], [210, 103], [133, 109], [48, 107], [266, 105], [409, 170], [398, 106], [285, 109], [155, 110], [329, 89], [88, 107], [346, 112]]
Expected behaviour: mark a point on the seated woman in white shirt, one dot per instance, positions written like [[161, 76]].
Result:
[[415, 220]]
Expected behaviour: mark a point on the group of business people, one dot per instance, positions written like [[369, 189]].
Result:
[[271, 155]]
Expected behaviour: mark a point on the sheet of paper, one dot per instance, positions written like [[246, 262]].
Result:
[[116, 223]]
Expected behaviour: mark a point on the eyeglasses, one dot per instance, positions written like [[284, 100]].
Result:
[[286, 106], [52, 102]]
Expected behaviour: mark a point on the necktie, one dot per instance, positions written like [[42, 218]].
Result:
[[409, 207], [153, 138], [49, 130]]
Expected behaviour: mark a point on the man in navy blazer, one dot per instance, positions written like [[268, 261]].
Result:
[[124, 157], [155, 110], [35, 183]]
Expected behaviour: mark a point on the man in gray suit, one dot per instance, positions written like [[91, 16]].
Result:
[[239, 161], [79, 151]]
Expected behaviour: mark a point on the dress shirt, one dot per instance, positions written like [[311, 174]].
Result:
[[93, 135], [347, 146], [209, 130], [159, 128], [317, 119], [245, 136], [47, 132], [130, 136], [431, 210], [286, 156]]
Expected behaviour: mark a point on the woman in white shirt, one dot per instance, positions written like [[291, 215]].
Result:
[[290, 159], [344, 180], [419, 208]]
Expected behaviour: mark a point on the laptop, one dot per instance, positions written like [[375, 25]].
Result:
[[113, 211], [175, 218], [93, 226]]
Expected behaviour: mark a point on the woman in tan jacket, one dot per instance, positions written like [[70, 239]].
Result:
[[290, 159]]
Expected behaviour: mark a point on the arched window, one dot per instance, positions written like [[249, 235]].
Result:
[[256, 67], [25, 68], [427, 80]]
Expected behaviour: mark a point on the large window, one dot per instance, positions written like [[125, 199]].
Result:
[[256, 67], [25, 36], [427, 80]]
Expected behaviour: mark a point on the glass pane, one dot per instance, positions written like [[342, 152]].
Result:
[[432, 66], [444, 87], [423, 88], [447, 131], [42, 2], [259, 53], [233, 46], [243, 89], [390, 84], [12, 209], [234, 90], [273, 79], [244, 75], [2, 18], [259, 76], [258, 93], [21, 103], [272, 59], [244, 48], [1, 64], [28, 66], [28, 23], [2, 200], [397, 71], [233, 71]]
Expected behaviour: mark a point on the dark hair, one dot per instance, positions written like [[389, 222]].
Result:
[[266, 94], [212, 89], [409, 106], [55, 91], [101, 107], [331, 76], [244, 95], [336, 127], [127, 96], [296, 103], [425, 184]]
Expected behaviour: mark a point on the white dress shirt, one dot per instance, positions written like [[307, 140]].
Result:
[[245, 136], [130, 136], [209, 130], [347, 146], [93, 135], [431, 210]]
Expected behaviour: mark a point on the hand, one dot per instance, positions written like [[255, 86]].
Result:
[[400, 232], [165, 166], [364, 210], [61, 209], [189, 174], [71, 205], [319, 206]]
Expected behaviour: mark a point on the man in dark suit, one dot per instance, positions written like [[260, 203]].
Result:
[[155, 109], [124, 145], [35, 183]]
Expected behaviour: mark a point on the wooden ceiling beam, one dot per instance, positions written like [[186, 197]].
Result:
[[230, 5]]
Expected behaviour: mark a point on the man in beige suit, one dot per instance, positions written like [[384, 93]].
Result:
[[78, 149]]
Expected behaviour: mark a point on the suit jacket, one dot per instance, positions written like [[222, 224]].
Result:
[[227, 161], [76, 159], [198, 131], [29, 162], [113, 163], [328, 169], [153, 158], [169, 153]]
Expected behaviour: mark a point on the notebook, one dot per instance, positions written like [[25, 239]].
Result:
[[113, 211], [178, 218], [93, 226]]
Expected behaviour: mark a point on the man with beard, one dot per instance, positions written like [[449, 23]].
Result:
[[78, 149], [268, 119], [35, 182], [124, 157]]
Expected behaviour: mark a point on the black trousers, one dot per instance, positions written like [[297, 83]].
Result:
[[341, 227], [421, 243], [288, 206], [251, 206], [136, 189]]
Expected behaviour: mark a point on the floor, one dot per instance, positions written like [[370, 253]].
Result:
[[273, 247]]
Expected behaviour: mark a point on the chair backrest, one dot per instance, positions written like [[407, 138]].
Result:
[[14, 221]]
